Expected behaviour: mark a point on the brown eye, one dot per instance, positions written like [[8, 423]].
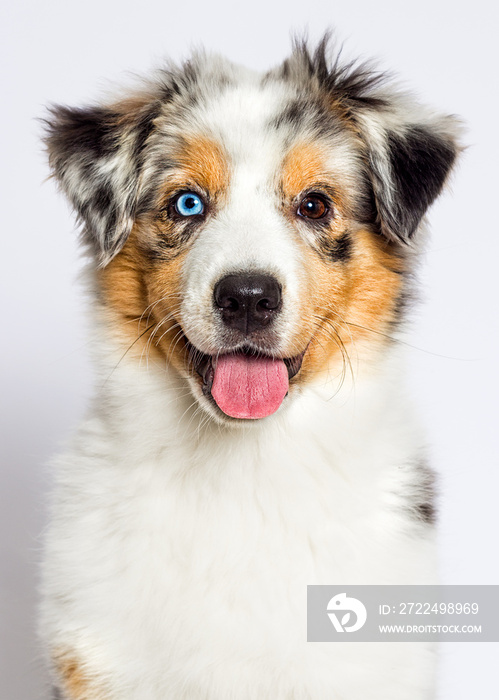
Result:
[[313, 207]]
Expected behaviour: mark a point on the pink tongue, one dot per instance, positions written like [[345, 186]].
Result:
[[249, 387]]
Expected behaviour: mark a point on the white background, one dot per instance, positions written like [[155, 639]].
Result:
[[62, 51]]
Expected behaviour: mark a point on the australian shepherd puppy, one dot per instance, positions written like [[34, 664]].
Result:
[[253, 238]]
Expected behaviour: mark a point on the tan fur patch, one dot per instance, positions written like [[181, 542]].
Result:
[[349, 307], [128, 108], [203, 161], [305, 168], [302, 167], [145, 301], [76, 682]]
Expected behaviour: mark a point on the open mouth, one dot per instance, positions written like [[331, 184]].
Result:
[[245, 383]]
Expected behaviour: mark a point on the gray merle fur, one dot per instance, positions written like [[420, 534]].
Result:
[[98, 154], [408, 169]]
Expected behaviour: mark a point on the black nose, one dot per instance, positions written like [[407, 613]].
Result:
[[248, 302]]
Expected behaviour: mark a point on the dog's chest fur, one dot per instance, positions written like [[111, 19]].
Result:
[[180, 554]]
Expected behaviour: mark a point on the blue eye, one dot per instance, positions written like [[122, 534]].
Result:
[[189, 204]]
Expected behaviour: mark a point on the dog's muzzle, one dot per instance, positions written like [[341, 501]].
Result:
[[247, 381]]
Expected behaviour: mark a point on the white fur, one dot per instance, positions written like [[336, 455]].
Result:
[[180, 550]]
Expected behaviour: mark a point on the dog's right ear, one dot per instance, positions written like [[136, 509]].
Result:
[[96, 154]]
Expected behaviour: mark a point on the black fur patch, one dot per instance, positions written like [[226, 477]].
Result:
[[338, 249], [424, 500], [308, 112], [426, 512], [143, 128], [365, 206], [403, 302], [420, 161], [103, 200], [294, 115], [416, 494], [352, 82], [90, 132]]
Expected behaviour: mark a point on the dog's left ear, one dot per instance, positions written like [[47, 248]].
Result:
[[96, 154], [409, 157], [407, 150]]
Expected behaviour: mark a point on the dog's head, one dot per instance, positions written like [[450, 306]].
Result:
[[257, 228]]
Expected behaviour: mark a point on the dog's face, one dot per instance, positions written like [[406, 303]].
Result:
[[256, 228]]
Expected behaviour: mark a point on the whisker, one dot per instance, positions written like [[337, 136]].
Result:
[[398, 341], [327, 325], [127, 351]]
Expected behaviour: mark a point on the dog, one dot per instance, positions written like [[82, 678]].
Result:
[[252, 241]]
